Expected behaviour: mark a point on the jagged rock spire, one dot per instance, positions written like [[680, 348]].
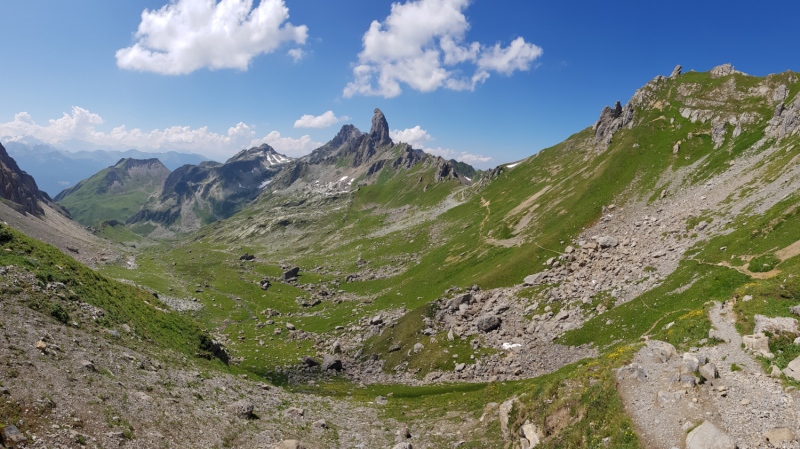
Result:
[[379, 133]]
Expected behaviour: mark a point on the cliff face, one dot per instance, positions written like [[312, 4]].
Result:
[[19, 187]]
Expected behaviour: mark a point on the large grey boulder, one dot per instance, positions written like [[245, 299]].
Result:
[[331, 362], [676, 71], [708, 436], [793, 369], [795, 310], [242, 409], [308, 361], [487, 323], [290, 274], [779, 325], [709, 371], [607, 241]]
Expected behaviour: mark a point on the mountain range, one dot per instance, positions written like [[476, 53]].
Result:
[[59, 167]]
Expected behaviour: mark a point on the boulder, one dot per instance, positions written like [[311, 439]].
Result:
[[795, 310], [12, 437], [320, 424], [294, 412], [776, 437], [419, 347], [714, 334], [757, 342], [331, 362], [504, 411], [775, 372], [403, 445], [290, 274], [454, 303], [662, 349], [487, 323], [308, 361], [709, 371], [632, 371], [607, 241], [533, 434], [690, 363], [793, 369], [241, 409], [777, 325], [676, 71], [708, 436], [246, 256]]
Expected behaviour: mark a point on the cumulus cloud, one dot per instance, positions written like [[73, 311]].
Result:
[[187, 35], [416, 136], [321, 121], [462, 156], [287, 145], [421, 44], [81, 124], [297, 54]]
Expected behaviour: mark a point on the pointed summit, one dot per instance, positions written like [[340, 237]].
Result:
[[379, 133]]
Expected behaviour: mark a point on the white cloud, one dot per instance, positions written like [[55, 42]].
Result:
[[421, 44], [297, 54], [187, 35], [287, 145], [462, 156], [81, 124], [322, 121], [416, 136]]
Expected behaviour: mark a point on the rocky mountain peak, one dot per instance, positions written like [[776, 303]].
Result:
[[379, 133], [19, 187], [348, 134]]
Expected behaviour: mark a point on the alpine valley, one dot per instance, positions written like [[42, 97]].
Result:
[[636, 285]]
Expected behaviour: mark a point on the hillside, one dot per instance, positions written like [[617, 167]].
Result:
[[115, 193], [633, 286], [195, 195]]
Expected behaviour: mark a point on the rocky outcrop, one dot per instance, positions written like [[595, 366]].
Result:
[[19, 187], [723, 70], [379, 133], [611, 121], [676, 72]]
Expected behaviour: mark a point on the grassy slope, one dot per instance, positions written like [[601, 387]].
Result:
[[92, 201]]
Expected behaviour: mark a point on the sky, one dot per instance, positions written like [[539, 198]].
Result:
[[485, 82]]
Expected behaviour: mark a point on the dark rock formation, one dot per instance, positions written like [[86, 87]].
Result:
[[19, 187]]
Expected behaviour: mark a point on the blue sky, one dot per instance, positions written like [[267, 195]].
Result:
[[551, 68]]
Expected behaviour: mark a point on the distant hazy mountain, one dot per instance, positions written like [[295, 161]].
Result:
[[56, 168], [114, 193]]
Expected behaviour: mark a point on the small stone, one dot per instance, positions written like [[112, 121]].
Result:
[[381, 400], [41, 345], [290, 326], [777, 437], [745, 402], [419, 347]]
